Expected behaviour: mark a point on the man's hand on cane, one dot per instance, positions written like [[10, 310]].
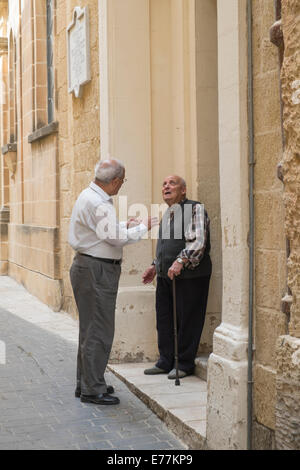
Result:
[[175, 269]]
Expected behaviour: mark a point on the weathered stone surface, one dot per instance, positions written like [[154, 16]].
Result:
[[288, 347], [270, 258], [264, 386], [276, 35], [263, 438], [135, 336], [44, 288], [35, 248], [291, 162], [269, 325], [288, 393], [78, 132]]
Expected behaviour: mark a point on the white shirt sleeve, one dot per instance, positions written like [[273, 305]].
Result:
[[115, 233]]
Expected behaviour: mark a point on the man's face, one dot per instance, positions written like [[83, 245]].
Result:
[[117, 183], [173, 190]]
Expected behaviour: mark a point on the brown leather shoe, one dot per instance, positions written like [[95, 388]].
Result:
[[100, 399]]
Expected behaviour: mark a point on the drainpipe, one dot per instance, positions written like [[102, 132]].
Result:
[[251, 226]]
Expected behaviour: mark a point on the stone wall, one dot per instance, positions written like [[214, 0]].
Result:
[[270, 249], [32, 248], [288, 346], [287, 434], [4, 220], [4, 173], [291, 162], [78, 130]]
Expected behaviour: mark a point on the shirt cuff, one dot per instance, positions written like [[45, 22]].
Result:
[[135, 233]]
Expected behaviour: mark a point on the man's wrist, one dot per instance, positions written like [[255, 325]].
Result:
[[182, 261]]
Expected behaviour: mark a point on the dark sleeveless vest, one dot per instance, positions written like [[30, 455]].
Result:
[[171, 242]]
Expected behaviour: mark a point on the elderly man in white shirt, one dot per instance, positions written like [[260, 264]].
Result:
[[98, 239]]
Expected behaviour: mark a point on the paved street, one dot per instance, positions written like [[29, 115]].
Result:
[[38, 409]]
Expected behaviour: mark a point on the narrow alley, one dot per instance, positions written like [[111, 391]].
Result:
[[37, 372]]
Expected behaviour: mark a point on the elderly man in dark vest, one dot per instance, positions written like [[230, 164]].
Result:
[[182, 252]]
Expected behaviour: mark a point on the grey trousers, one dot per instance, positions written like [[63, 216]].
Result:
[[95, 286]]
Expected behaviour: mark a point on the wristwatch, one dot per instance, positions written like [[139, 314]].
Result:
[[180, 260]]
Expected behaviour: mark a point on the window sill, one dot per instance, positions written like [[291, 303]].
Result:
[[51, 128]]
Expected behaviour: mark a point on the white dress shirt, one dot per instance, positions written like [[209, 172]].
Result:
[[94, 228]]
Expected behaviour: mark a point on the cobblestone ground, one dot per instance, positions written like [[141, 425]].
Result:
[[38, 409]]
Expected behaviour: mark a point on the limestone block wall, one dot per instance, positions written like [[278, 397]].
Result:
[[270, 249], [291, 162], [78, 118], [32, 248], [4, 173], [4, 219], [288, 346], [287, 436]]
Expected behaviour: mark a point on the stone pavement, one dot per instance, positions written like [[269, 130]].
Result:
[[38, 409]]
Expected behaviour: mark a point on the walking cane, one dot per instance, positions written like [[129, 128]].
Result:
[[177, 381]]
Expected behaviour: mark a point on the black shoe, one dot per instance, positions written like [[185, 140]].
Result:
[[101, 399], [110, 390]]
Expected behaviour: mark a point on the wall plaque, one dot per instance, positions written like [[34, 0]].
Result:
[[79, 71]]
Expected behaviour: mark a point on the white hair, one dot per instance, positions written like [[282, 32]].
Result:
[[107, 170], [182, 181]]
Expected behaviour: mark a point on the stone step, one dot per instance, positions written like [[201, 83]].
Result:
[[201, 366], [182, 408]]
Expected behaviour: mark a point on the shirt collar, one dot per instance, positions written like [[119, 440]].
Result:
[[100, 191], [181, 203]]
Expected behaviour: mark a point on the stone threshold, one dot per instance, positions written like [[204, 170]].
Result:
[[182, 408]]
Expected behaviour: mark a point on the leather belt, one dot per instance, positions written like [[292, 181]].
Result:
[[106, 260]]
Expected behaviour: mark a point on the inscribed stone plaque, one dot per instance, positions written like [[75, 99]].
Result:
[[78, 51]]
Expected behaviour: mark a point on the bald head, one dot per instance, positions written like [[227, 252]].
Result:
[[173, 189]]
